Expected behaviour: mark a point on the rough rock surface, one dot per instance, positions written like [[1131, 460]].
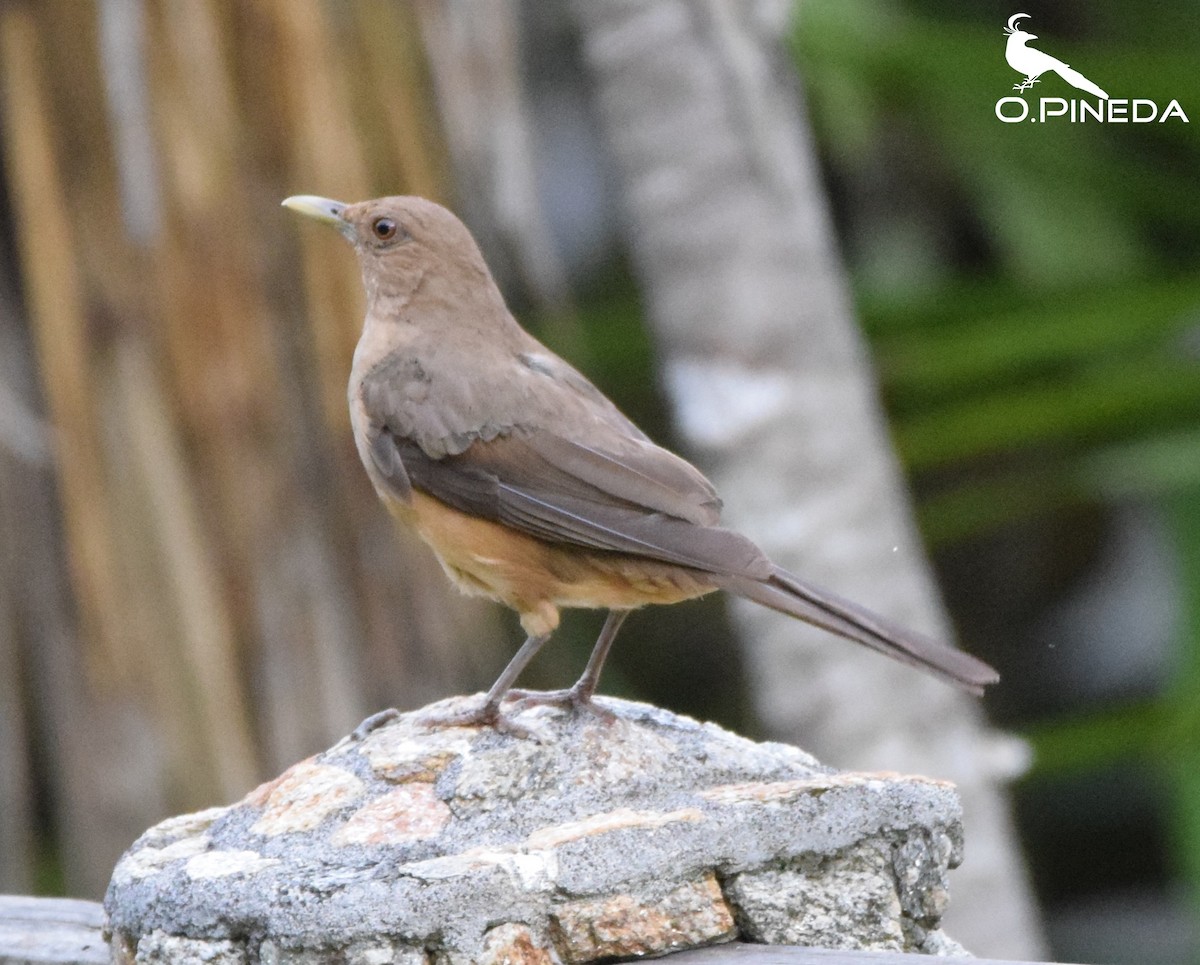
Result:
[[597, 839]]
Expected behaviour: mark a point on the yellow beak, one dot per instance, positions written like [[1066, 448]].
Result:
[[321, 209]]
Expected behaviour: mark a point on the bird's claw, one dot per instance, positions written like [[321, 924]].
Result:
[[373, 723], [484, 715], [574, 699]]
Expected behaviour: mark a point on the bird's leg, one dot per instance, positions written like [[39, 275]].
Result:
[[585, 687], [1025, 84], [580, 695], [488, 713]]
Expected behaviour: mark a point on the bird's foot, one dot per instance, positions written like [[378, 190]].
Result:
[[484, 714], [575, 699], [1025, 84]]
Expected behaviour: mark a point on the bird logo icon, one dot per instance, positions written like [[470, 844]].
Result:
[[1031, 63]]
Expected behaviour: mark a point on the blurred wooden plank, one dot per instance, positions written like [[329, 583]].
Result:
[[742, 953], [55, 931], [204, 679], [239, 592], [330, 158], [396, 86], [86, 733], [55, 304], [290, 606]]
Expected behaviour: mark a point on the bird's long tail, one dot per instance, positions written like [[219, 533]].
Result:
[[1076, 79], [791, 595]]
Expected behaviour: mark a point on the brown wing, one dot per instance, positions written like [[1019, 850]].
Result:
[[529, 442], [546, 487], [540, 398]]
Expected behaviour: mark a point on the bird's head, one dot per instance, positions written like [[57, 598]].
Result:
[[398, 238], [1014, 31]]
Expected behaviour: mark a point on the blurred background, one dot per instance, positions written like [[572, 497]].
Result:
[[944, 364]]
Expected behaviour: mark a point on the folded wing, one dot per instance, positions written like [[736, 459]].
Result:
[[566, 493]]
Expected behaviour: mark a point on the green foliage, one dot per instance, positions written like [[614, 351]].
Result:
[[1069, 359], [1112, 737], [1060, 204]]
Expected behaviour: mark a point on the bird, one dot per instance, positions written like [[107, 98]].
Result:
[[530, 486], [1032, 63]]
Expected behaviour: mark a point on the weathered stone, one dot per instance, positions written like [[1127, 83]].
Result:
[[421, 758], [369, 952], [182, 826], [302, 797], [220, 864], [151, 860], [412, 812], [621, 819], [157, 948], [940, 944], [646, 923], [600, 839], [920, 864], [515, 944], [845, 900]]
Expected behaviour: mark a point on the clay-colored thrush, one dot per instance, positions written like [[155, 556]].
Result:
[[528, 483]]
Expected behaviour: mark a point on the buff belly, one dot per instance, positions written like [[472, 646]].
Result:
[[536, 578]]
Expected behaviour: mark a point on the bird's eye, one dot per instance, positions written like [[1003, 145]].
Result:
[[385, 229]]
